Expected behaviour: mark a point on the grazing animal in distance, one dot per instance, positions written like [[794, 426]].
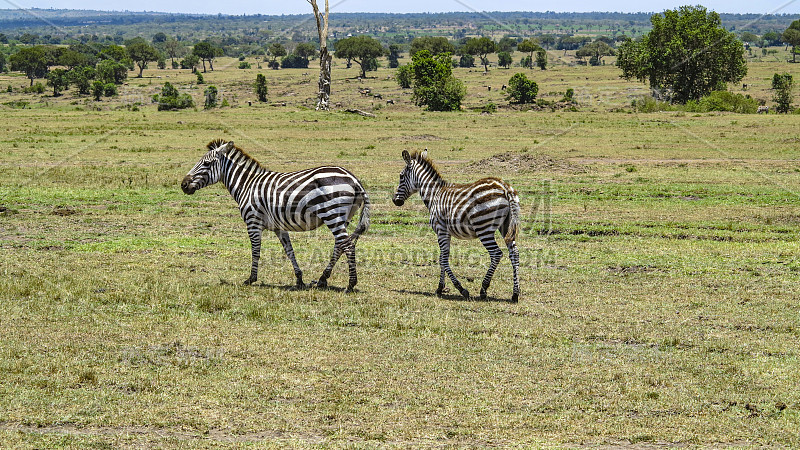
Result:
[[763, 109], [466, 211], [284, 202]]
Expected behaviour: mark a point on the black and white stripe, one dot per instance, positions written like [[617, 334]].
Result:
[[465, 211], [284, 202]]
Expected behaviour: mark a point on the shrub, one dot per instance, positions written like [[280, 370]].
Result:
[[211, 97], [97, 89], [109, 90], [261, 87], [294, 61], [782, 85], [244, 65], [435, 87], [521, 89], [35, 88], [170, 99], [404, 76], [200, 79], [723, 101]]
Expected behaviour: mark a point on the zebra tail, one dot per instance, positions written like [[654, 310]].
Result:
[[363, 221], [513, 225]]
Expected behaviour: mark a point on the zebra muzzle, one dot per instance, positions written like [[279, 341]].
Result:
[[186, 185], [398, 202]]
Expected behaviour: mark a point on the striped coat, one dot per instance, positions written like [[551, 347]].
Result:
[[284, 202], [465, 211]]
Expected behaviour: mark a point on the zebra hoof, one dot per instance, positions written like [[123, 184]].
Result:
[[350, 289], [465, 294], [249, 281], [515, 298], [483, 294], [322, 283]]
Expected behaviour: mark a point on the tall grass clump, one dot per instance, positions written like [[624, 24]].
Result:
[[723, 101]]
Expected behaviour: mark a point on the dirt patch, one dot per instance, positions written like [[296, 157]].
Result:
[[63, 211], [418, 137], [515, 162]]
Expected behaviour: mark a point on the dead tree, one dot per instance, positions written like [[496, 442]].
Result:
[[324, 95]]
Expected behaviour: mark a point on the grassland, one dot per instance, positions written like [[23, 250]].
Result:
[[660, 277]]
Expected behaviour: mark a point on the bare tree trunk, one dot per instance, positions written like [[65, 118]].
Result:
[[323, 97]]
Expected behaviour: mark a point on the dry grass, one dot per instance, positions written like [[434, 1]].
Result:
[[660, 277]]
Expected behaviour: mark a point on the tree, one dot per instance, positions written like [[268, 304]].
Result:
[[97, 89], [190, 62], [305, 50], [782, 85], [3, 62], [405, 76], [529, 46], [791, 36], [521, 89], [294, 61], [480, 47], [110, 71], [173, 48], [324, 93], [276, 50], [360, 49], [504, 59], [394, 56], [685, 56], [206, 52], [57, 78], [261, 87], [82, 78], [141, 53], [170, 99], [435, 87], [595, 51], [771, 38], [159, 37], [211, 97], [32, 61], [72, 59], [506, 44], [541, 59], [436, 45]]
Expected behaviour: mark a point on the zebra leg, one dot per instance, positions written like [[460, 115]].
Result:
[[350, 253], [255, 245], [440, 289], [283, 236], [513, 255], [495, 254], [444, 261]]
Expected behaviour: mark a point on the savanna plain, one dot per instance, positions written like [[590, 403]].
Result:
[[660, 273]]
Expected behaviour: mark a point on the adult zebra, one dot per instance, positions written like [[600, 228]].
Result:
[[466, 211], [283, 202]]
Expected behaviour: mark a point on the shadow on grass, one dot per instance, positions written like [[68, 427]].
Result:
[[288, 287], [454, 297]]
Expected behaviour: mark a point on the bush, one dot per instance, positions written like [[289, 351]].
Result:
[[170, 99], [466, 61], [648, 104], [261, 87], [211, 97], [97, 89], [36, 88], [723, 101], [200, 79], [782, 85], [109, 90], [294, 61], [244, 65], [435, 87], [405, 76], [522, 90]]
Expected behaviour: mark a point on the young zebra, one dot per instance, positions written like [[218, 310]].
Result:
[[466, 211], [283, 202]]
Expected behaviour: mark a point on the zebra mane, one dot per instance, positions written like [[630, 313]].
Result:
[[217, 143], [427, 162]]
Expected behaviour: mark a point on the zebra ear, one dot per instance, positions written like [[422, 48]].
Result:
[[226, 148], [406, 157], [425, 153]]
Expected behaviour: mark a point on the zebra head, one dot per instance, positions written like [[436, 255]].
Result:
[[208, 170], [408, 180]]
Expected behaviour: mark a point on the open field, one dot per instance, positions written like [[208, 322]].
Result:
[[660, 274]]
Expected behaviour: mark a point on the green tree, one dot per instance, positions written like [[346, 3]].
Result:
[[72, 59], [173, 48], [394, 56], [190, 62], [782, 85], [791, 36], [481, 47], [305, 50], [436, 45], [521, 89], [57, 78], [360, 49], [685, 56], [504, 59], [541, 59], [82, 78], [170, 99], [507, 44], [210, 97], [276, 50], [141, 53], [32, 61], [261, 87], [434, 85], [206, 52], [97, 89], [110, 71], [529, 46], [3, 62], [595, 51], [405, 76]]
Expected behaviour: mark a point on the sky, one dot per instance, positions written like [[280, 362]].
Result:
[[406, 6]]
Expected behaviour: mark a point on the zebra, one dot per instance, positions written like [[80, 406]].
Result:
[[466, 211], [284, 202]]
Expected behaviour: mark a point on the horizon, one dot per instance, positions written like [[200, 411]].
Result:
[[302, 7]]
